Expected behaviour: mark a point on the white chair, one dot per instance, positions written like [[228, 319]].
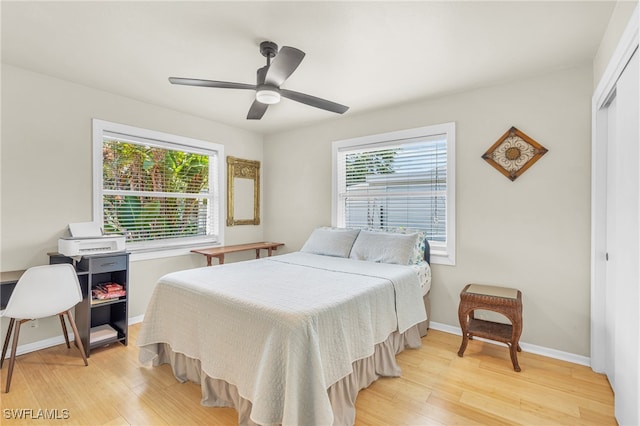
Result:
[[42, 291]]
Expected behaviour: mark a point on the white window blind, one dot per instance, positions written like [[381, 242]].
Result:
[[396, 181], [158, 190]]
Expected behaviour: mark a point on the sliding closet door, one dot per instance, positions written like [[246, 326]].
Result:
[[615, 230], [610, 295], [623, 244]]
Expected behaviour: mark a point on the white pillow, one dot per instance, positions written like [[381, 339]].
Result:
[[417, 256], [384, 247], [331, 241]]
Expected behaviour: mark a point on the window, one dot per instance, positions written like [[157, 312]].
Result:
[[161, 191], [402, 179]]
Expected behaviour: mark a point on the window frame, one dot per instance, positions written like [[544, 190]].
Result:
[[162, 248], [444, 254]]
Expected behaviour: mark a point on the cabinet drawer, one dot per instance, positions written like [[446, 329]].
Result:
[[108, 264]]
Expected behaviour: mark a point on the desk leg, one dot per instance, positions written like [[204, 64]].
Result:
[[209, 260], [257, 253], [270, 250], [221, 259]]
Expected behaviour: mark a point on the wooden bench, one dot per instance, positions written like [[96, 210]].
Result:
[[219, 252], [503, 300]]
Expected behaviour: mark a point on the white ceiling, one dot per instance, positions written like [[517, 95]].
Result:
[[367, 55]]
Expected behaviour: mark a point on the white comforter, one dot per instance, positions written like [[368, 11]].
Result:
[[282, 329]]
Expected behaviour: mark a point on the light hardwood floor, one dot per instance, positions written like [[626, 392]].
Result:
[[436, 387]]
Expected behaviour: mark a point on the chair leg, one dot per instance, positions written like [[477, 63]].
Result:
[[77, 336], [12, 360], [64, 330], [6, 341]]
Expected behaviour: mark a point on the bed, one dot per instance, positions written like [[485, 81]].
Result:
[[291, 339]]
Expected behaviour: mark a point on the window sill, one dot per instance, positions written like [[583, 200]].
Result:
[[442, 258], [163, 252]]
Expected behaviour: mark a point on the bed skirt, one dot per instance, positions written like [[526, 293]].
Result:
[[342, 394]]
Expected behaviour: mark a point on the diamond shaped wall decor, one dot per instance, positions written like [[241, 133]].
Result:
[[514, 153]]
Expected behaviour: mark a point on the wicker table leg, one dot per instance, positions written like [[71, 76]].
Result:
[[464, 325], [514, 346], [514, 356]]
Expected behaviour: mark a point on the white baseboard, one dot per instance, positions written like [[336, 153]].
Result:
[[136, 320], [40, 344], [57, 340], [526, 347]]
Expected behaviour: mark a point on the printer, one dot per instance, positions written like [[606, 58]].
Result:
[[87, 238]]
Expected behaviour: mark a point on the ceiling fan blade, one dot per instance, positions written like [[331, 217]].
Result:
[[283, 65], [261, 74], [257, 110], [210, 83], [314, 101]]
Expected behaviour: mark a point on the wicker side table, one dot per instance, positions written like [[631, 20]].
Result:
[[503, 300]]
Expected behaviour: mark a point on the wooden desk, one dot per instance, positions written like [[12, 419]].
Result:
[[8, 281], [219, 252]]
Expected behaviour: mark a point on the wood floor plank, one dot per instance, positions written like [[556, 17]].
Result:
[[436, 388], [453, 412]]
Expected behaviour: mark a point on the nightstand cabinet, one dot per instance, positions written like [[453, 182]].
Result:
[[100, 321]]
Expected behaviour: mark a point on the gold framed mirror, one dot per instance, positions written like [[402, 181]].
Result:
[[243, 192]]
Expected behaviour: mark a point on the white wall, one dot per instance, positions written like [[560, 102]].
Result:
[[532, 234], [46, 172], [617, 23]]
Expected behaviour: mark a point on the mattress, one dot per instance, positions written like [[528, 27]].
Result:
[[282, 329]]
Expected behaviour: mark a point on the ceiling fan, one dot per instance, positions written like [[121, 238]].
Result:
[[280, 65]]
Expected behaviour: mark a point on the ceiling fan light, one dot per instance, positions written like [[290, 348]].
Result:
[[267, 96]]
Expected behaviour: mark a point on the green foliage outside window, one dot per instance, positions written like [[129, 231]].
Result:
[[154, 193], [360, 165]]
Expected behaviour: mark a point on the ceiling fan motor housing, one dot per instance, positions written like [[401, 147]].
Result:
[[268, 49]]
